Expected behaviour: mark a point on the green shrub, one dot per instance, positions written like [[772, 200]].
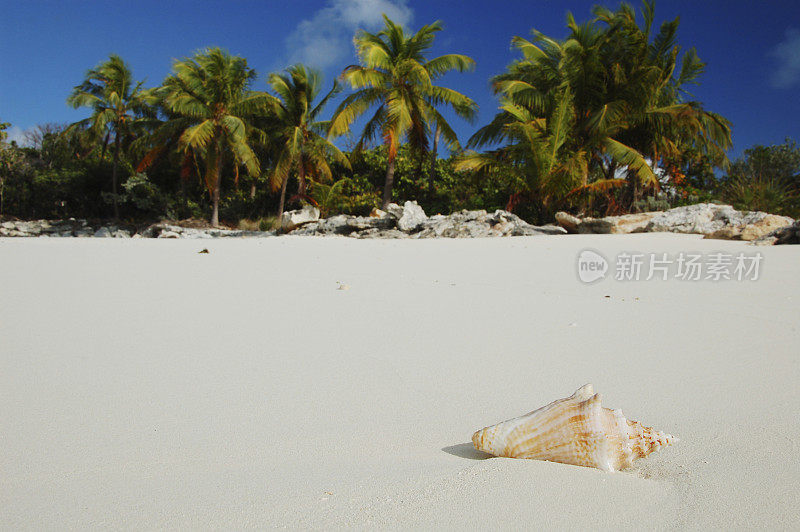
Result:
[[769, 195]]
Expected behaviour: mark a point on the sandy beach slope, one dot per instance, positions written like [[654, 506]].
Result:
[[144, 385]]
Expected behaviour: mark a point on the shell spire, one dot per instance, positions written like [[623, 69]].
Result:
[[575, 430]]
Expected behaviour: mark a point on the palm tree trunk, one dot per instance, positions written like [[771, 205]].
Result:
[[301, 177], [387, 188], [114, 176], [253, 190], [432, 171], [215, 194], [283, 197], [184, 199]]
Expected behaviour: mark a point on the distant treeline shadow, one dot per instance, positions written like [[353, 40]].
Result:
[[466, 450]]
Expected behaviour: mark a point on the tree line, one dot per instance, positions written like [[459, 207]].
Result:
[[601, 121]]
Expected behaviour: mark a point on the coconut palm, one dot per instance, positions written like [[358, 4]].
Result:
[[395, 76], [210, 110], [663, 123], [551, 123], [297, 133], [118, 104], [605, 100]]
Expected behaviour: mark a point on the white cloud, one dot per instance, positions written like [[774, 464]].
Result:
[[788, 55], [326, 38], [16, 133]]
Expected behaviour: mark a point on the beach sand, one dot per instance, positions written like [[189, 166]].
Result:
[[144, 385]]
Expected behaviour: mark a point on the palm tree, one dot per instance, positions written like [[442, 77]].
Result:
[[661, 123], [117, 103], [211, 109], [296, 132], [395, 76], [604, 100]]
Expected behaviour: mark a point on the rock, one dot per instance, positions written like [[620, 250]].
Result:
[[165, 230], [413, 217], [617, 225], [628, 223], [32, 228], [343, 224], [103, 232], [381, 233], [395, 210], [765, 226], [726, 233], [789, 234], [359, 223], [550, 229], [765, 241], [702, 218], [121, 233], [480, 224], [567, 221], [710, 219], [377, 213], [291, 220]]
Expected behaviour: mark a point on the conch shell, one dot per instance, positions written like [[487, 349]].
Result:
[[575, 430]]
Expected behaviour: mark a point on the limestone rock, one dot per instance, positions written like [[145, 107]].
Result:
[[709, 219], [765, 226], [413, 217], [788, 234], [726, 233], [568, 221], [291, 220], [103, 232], [395, 210]]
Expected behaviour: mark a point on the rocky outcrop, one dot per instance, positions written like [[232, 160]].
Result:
[[291, 220], [165, 230], [61, 228], [752, 230], [709, 219], [410, 221]]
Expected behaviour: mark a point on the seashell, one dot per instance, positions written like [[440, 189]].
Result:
[[575, 430]]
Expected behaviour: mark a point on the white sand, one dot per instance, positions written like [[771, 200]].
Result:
[[143, 385]]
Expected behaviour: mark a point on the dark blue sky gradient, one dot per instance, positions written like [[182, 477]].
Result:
[[46, 47]]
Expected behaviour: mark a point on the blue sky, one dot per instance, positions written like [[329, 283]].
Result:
[[752, 51]]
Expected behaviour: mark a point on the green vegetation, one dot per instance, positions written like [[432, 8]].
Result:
[[395, 75], [600, 122], [297, 137], [608, 100], [210, 108], [766, 179], [118, 109]]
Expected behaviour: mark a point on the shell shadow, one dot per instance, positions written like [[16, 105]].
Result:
[[466, 450]]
